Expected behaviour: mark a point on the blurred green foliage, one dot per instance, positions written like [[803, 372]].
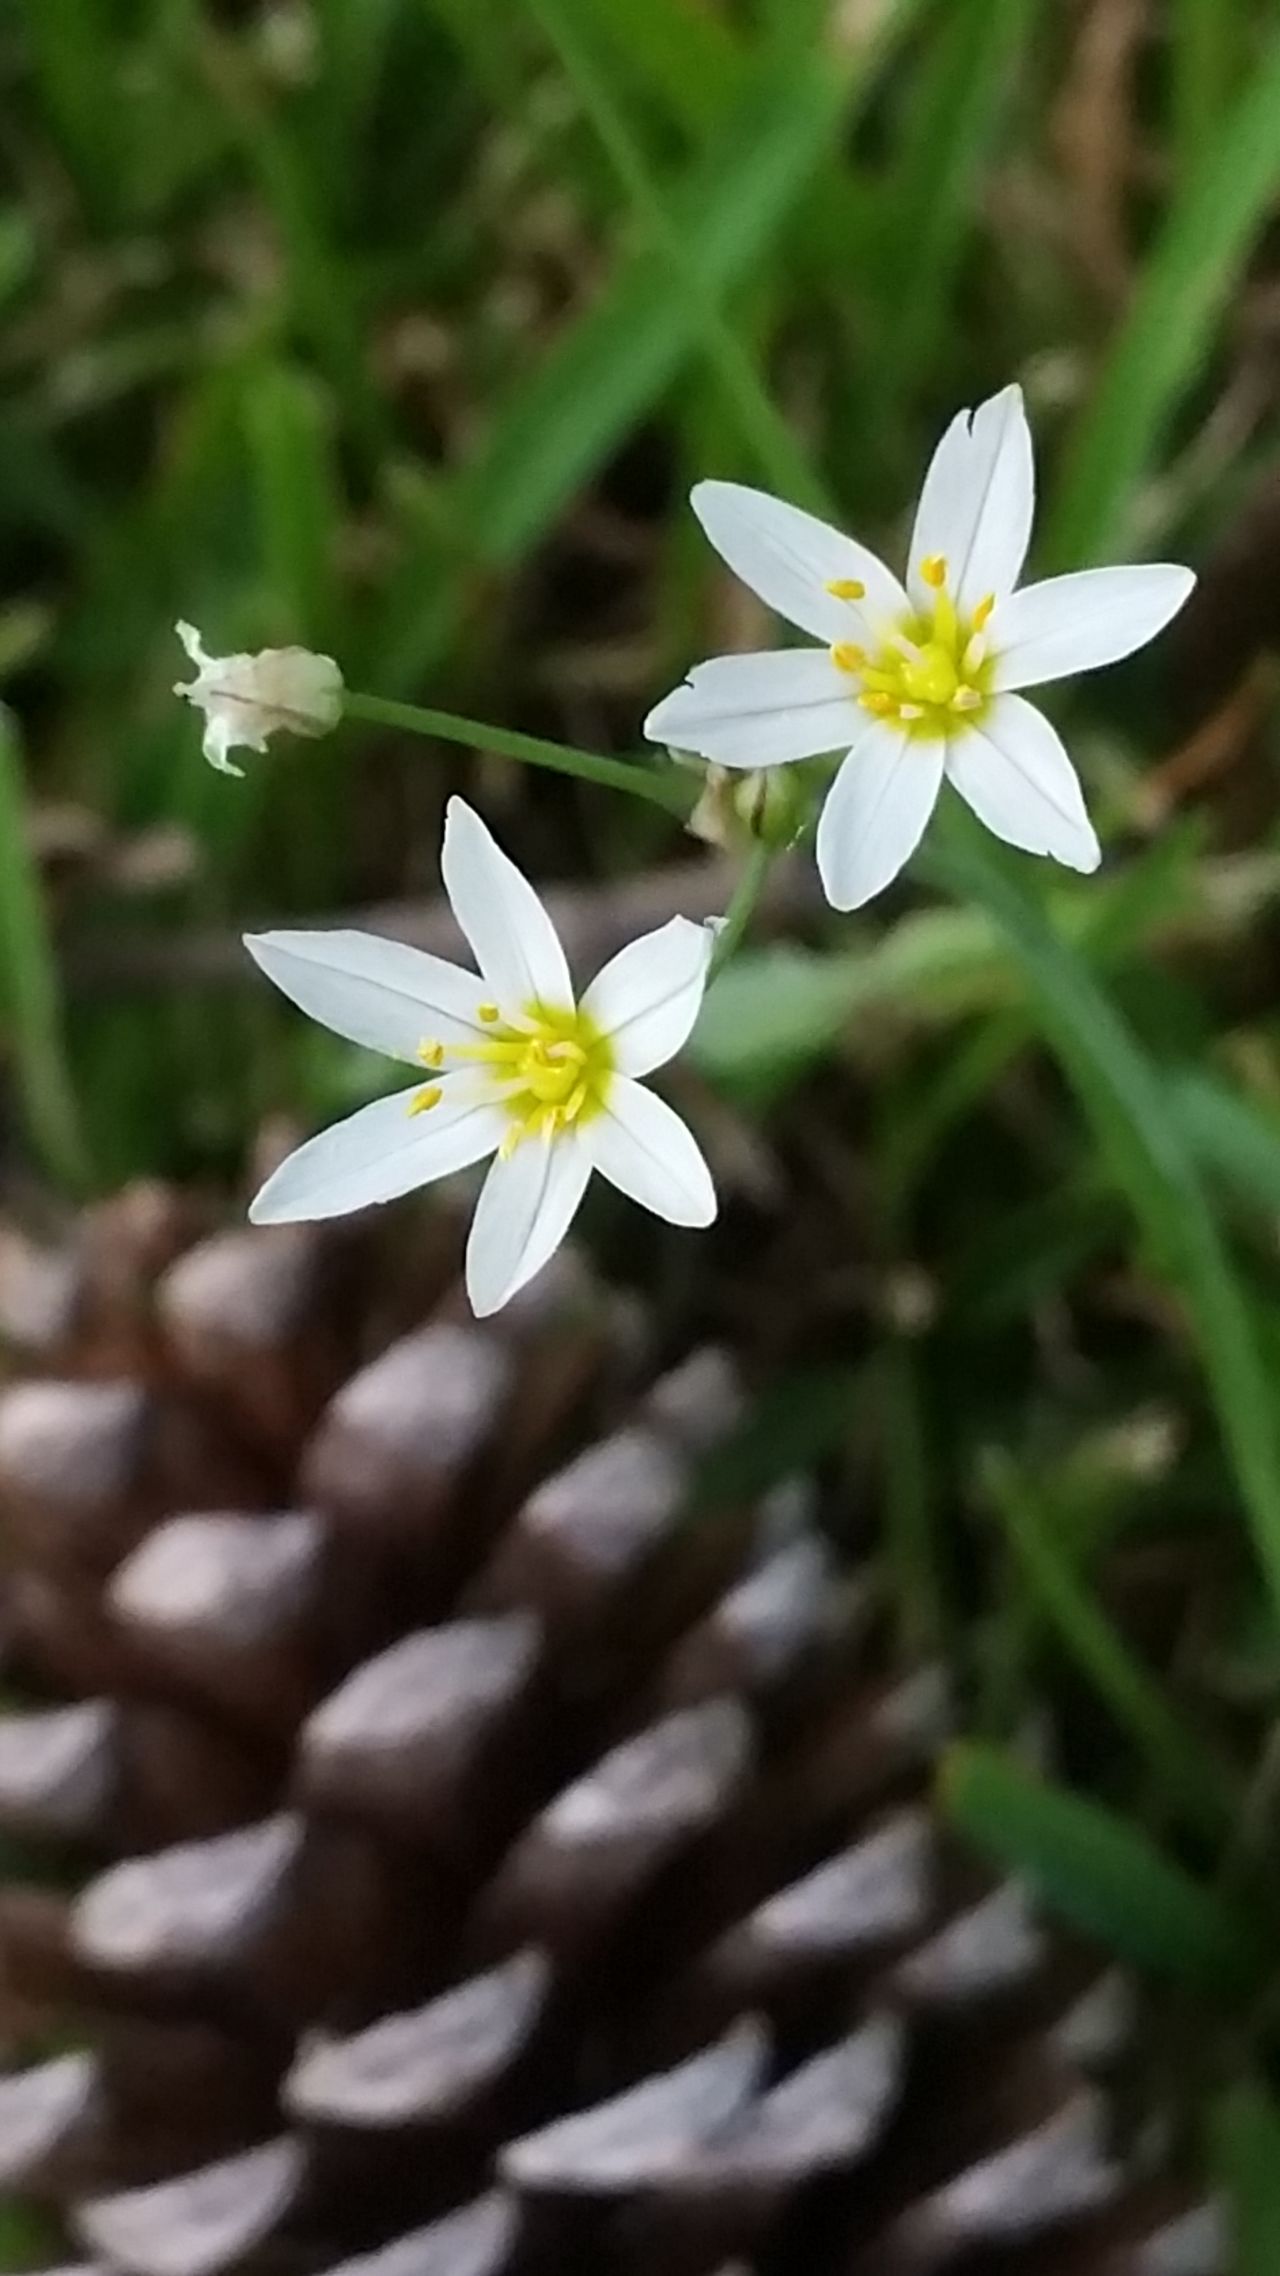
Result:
[[399, 327]]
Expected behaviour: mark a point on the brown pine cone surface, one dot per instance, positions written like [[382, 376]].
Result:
[[433, 1847]]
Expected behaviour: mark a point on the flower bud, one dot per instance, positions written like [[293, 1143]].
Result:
[[245, 698]]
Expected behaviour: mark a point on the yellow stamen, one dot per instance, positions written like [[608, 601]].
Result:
[[847, 589], [488, 1013], [431, 1054], [930, 669], [423, 1100], [946, 624], [545, 1066]]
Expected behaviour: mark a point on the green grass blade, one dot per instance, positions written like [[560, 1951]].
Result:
[[1098, 1871], [30, 996], [618, 360], [1128, 1104], [682, 53], [759, 422], [960, 101], [1235, 1141], [1203, 37], [1190, 1775], [291, 451], [609, 369], [320, 294], [1188, 282], [77, 56], [1245, 2137]]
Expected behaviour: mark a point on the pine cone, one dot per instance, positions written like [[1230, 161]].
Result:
[[446, 1856]]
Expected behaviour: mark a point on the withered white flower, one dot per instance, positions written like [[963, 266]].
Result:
[[514, 1067], [246, 698], [917, 683]]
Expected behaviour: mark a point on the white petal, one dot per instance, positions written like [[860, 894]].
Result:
[[377, 992], [512, 938], [1013, 771], [376, 1154], [641, 1145], [524, 1211], [976, 505], [220, 738], [648, 996], [756, 711], [875, 813], [789, 557], [1072, 624]]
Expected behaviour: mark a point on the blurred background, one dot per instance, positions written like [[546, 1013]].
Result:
[[400, 329]]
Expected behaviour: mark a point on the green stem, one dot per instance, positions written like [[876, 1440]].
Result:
[[741, 907], [669, 791]]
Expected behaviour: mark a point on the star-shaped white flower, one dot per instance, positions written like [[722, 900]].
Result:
[[514, 1067], [917, 683], [246, 698]]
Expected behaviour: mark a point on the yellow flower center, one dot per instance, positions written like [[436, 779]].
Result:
[[932, 675], [549, 1069]]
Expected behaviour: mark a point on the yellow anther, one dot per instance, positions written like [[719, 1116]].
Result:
[[847, 589], [983, 611], [488, 1013], [423, 1100], [848, 657], [966, 699], [431, 1054], [878, 702], [933, 569]]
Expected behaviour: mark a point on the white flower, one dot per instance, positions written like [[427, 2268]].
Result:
[[245, 698], [917, 683], [515, 1068]]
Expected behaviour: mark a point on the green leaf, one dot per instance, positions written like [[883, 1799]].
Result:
[[774, 1011], [1100, 1873], [1187, 284]]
